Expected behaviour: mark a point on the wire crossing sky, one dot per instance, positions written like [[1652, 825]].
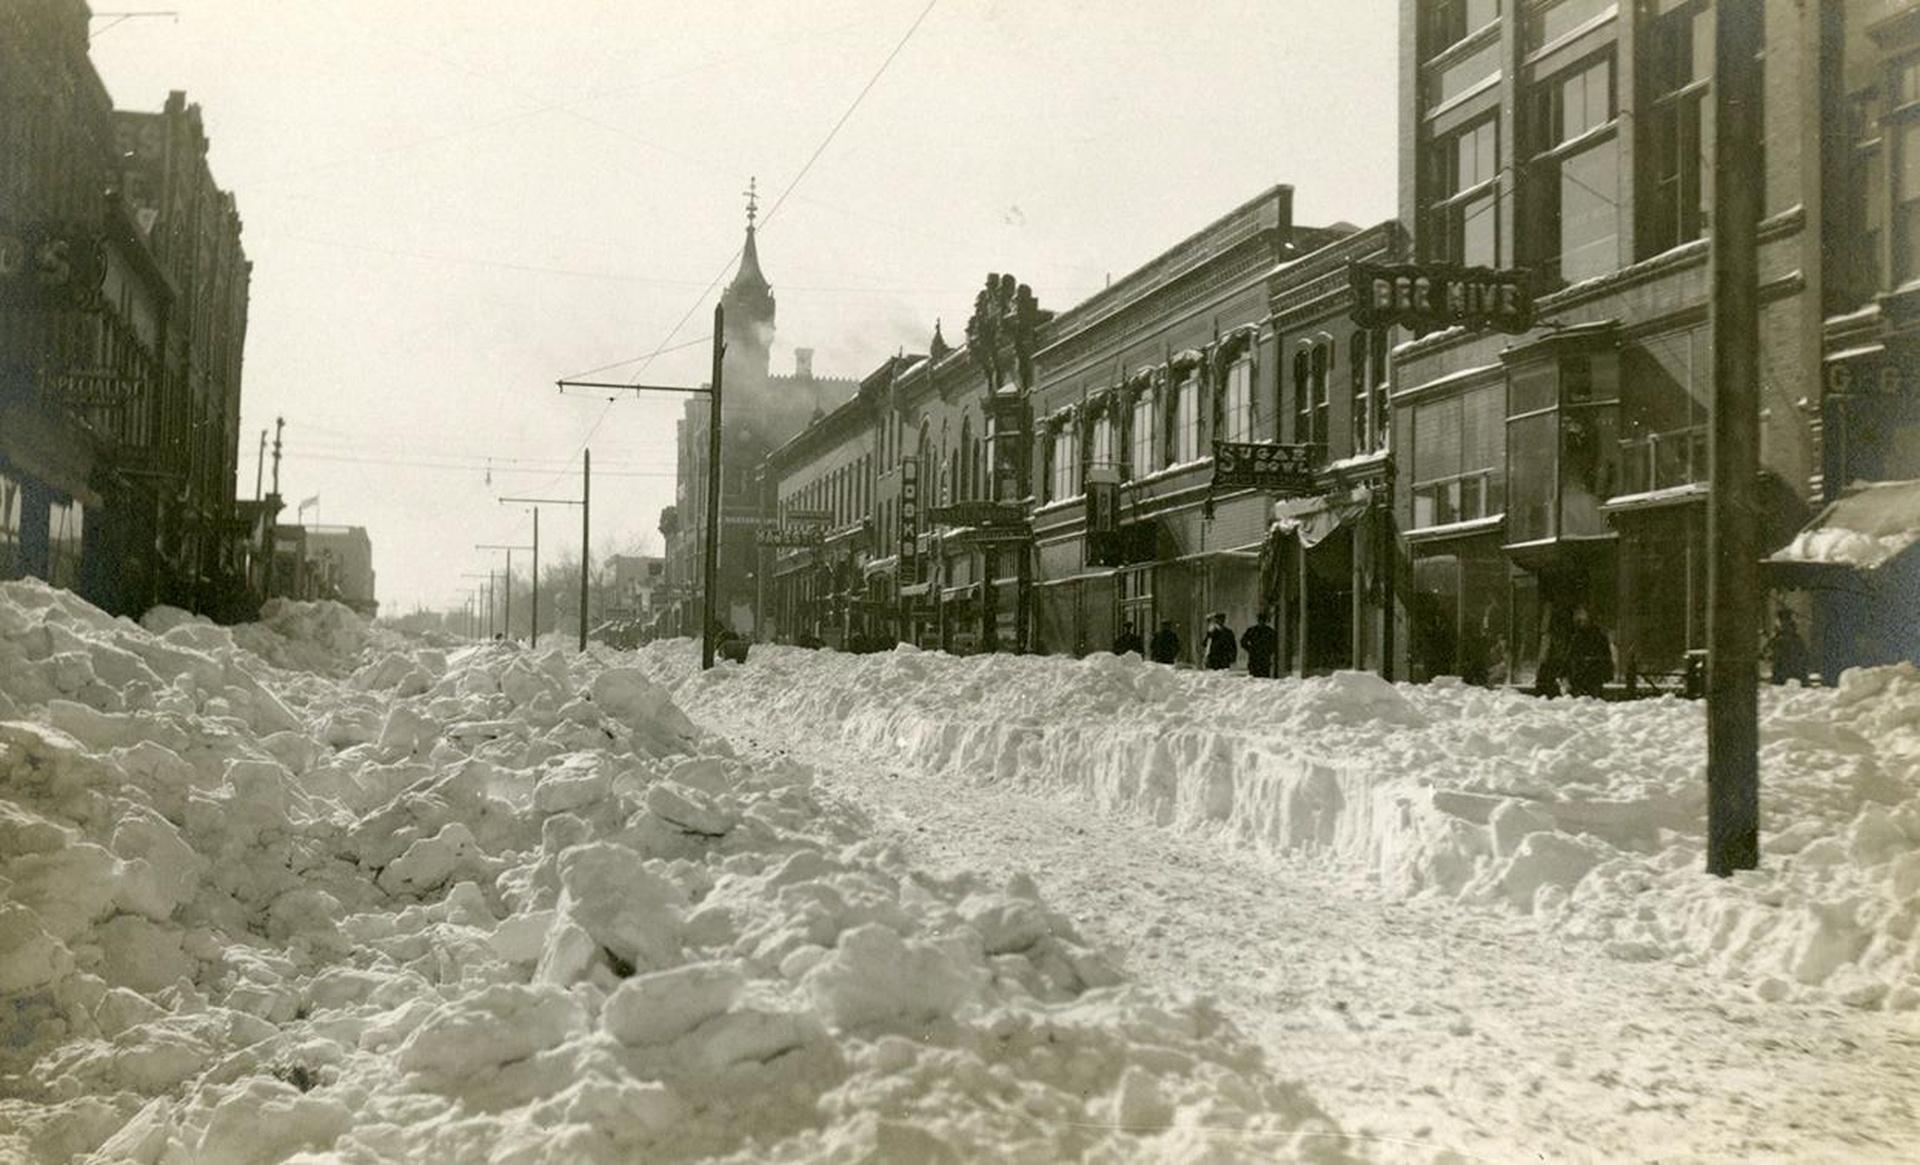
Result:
[[450, 205]]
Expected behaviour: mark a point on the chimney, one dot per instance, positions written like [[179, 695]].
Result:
[[803, 363]]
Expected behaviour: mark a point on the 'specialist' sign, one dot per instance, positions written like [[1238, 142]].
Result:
[[1281, 469], [1427, 297]]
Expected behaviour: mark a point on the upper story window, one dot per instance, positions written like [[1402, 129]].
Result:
[[1103, 452], [1184, 431], [1311, 407], [1570, 216], [1901, 133], [1367, 377], [1457, 77], [1142, 433], [1676, 70], [1665, 404], [1547, 22], [1445, 23], [1237, 402], [1462, 221], [1065, 465]]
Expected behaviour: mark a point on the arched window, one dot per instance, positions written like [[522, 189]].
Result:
[[1237, 401], [1358, 361], [1184, 434], [1302, 395], [966, 457]]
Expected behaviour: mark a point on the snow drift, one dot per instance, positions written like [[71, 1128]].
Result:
[[1589, 815], [307, 891]]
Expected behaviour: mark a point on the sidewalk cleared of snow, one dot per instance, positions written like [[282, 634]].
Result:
[[1588, 815], [306, 891]]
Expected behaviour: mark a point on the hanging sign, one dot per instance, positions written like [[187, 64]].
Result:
[[909, 516], [1281, 469], [1430, 296], [980, 513], [51, 267]]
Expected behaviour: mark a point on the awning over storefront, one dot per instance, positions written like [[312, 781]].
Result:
[[1313, 520], [1872, 524]]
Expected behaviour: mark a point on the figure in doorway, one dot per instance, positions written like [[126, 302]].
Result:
[[1787, 650], [1589, 656], [1128, 640], [1262, 645], [1221, 647], [1166, 644]]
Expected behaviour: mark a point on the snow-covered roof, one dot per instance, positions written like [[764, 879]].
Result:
[[1869, 525]]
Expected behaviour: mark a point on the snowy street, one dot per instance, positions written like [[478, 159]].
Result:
[[308, 890], [1421, 1025]]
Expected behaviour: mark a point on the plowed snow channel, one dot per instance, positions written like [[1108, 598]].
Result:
[[1471, 924]]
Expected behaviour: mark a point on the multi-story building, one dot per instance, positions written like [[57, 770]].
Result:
[[759, 412], [103, 455], [634, 584], [1566, 466], [341, 559]]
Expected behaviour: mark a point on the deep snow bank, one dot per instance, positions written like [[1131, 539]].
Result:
[[1589, 815], [486, 905]]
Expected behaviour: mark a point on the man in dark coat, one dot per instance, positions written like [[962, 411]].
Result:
[[1788, 650], [1262, 644], [1589, 656], [1222, 650], [1166, 643], [1128, 640]]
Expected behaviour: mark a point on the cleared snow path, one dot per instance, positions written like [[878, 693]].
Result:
[[1419, 1023]]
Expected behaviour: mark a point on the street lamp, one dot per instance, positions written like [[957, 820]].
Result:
[[710, 559]]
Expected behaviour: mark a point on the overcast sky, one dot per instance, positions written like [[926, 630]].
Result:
[[449, 204]]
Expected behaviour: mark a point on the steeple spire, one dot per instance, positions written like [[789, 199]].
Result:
[[749, 276], [753, 202]]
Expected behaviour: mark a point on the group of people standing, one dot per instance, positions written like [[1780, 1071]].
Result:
[[1220, 649]]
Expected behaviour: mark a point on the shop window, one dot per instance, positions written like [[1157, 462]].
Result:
[[10, 507], [65, 523], [1666, 407], [1238, 405], [1677, 73], [1445, 23], [1136, 599], [1547, 22], [1459, 458], [1142, 434], [1906, 197], [1460, 622], [1462, 221], [1570, 215]]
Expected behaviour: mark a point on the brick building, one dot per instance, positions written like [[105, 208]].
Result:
[[124, 291]]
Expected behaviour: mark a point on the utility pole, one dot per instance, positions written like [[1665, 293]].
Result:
[[506, 614], [586, 514], [533, 633], [279, 423], [273, 524], [712, 393], [1733, 517], [260, 465]]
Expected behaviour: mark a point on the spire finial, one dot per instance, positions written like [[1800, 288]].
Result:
[[753, 201]]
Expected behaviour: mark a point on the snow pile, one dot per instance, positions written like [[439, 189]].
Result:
[[1591, 816], [1872, 522], [505, 906]]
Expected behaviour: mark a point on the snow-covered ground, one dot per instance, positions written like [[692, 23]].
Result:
[[308, 891], [1463, 918], [299, 891]]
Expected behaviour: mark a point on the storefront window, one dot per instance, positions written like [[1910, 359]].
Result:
[[1460, 625], [64, 530], [1665, 406], [10, 502], [1459, 458]]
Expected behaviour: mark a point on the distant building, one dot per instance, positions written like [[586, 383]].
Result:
[[760, 411], [635, 588], [326, 562]]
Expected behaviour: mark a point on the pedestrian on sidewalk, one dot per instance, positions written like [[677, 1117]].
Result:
[[1589, 656], [1128, 640], [1262, 645], [1221, 648], [1787, 650], [1166, 644]]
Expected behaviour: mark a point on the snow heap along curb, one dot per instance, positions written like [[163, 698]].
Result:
[[492, 906], [1589, 815]]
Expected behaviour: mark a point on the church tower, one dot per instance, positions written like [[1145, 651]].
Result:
[[749, 311]]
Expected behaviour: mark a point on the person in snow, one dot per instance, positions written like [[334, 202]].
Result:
[[1589, 656], [1787, 650], [1221, 647], [1128, 640], [1166, 643], [1553, 653], [1262, 644]]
